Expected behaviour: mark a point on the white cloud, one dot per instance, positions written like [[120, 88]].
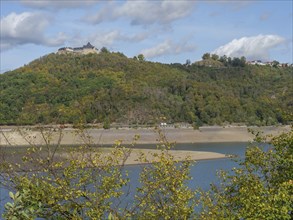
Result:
[[144, 12], [140, 36], [167, 48], [57, 4], [256, 47], [27, 27], [57, 40], [105, 39]]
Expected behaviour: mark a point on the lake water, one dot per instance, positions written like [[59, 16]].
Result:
[[203, 172]]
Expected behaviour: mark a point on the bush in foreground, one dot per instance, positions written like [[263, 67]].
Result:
[[88, 183]]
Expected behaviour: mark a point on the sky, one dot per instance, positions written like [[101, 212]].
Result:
[[167, 31]]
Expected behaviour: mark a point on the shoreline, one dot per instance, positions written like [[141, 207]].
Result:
[[70, 136], [178, 155], [100, 137]]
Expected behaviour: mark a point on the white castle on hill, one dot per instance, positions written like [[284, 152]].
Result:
[[86, 49]]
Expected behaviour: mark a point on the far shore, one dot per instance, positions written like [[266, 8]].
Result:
[[26, 136], [18, 136]]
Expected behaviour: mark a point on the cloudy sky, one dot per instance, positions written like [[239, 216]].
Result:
[[164, 31]]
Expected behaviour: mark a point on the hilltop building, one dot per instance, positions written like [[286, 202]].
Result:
[[272, 64], [85, 49], [256, 62]]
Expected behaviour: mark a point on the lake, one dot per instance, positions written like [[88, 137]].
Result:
[[203, 172]]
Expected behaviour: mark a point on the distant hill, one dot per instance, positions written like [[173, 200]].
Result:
[[72, 88]]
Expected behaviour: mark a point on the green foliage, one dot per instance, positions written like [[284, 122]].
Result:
[[164, 193], [215, 57], [78, 187], [104, 50], [70, 88], [140, 57], [260, 189], [106, 124], [275, 63], [23, 207], [213, 60], [206, 56], [87, 183]]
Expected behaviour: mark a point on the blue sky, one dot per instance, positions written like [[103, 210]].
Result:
[[164, 31]]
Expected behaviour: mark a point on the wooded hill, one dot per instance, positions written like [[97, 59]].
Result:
[[70, 88]]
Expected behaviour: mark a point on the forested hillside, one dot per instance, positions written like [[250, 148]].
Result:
[[110, 87]]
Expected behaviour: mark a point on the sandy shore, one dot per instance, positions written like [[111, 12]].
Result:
[[178, 155], [69, 136], [133, 155], [22, 136]]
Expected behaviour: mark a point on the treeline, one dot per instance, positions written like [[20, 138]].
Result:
[[226, 61], [110, 87]]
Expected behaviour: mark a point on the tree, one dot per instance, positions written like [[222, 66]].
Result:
[[206, 56], [242, 61], [104, 50], [54, 89], [215, 57], [141, 57], [88, 184], [235, 62], [260, 189], [107, 124], [164, 193], [223, 59], [238, 62], [80, 185], [275, 63], [22, 207]]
